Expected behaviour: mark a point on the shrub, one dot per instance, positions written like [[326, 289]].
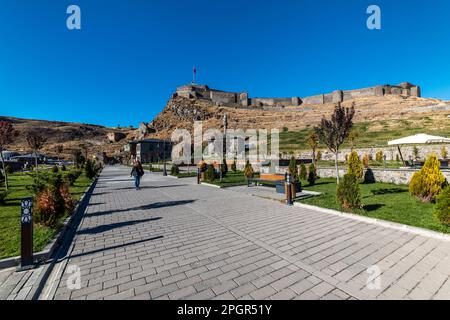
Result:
[[3, 195], [348, 193], [2, 177], [48, 208], [210, 173], [379, 156], [293, 169], [90, 169], [397, 158], [233, 166], [444, 153], [72, 176], [9, 169], [303, 173], [312, 175], [63, 167], [427, 183], [354, 165], [442, 207], [55, 169], [69, 204], [248, 170], [202, 166], [366, 160], [174, 170]]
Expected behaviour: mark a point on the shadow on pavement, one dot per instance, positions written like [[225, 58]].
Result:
[[113, 247], [144, 207], [108, 227]]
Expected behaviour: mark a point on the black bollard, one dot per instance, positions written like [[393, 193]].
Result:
[[198, 175], [26, 248]]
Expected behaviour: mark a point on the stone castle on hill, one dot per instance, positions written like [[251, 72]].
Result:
[[241, 99]]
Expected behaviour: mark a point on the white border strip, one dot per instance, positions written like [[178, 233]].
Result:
[[383, 223]]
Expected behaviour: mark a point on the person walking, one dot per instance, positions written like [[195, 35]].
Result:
[[137, 172]]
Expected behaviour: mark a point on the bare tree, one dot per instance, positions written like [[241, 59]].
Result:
[[313, 143], [35, 141], [333, 132], [7, 134]]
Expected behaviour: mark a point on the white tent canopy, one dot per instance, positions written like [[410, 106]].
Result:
[[419, 139]]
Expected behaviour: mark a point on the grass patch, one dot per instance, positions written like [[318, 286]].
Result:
[[232, 179], [186, 175], [10, 215], [382, 201]]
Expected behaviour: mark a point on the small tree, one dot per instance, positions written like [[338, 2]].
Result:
[[210, 173], [366, 160], [7, 134], [36, 141], [444, 153], [428, 182], [333, 132], [312, 174], [442, 207], [354, 165], [303, 173], [293, 169], [224, 167], [397, 158], [348, 193], [233, 166], [379, 156], [174, 170], [313, 142], [248, 171]]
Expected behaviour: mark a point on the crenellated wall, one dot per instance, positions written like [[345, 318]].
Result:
[[242, 99]]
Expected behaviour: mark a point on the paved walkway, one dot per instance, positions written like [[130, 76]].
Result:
[[174, 239]]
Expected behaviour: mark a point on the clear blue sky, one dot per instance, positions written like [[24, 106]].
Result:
[[131, 54]]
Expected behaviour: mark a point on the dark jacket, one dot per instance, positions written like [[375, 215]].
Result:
[[137, 171]]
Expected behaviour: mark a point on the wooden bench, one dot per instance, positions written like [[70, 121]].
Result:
[[277, 180]]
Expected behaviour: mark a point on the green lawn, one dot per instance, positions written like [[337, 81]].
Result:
[[382, 201], [186, 175], [10, 215], [232, 179], [373, 134]]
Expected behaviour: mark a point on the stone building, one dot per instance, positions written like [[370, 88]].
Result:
[[150, 150]]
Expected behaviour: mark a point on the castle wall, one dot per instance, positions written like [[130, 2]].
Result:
[[223, 97]]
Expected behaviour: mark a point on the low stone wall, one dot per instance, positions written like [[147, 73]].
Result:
[[396, 176]]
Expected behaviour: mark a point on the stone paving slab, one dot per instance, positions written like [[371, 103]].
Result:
[[174, 239]]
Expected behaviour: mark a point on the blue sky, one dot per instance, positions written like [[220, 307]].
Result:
[[130, 55]]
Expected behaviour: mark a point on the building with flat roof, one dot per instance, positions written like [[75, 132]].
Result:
[[150, 150]]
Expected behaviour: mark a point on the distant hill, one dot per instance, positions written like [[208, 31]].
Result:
[[71, 135]]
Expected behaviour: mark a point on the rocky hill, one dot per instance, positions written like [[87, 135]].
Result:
[[389, 113], [72, 136]]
